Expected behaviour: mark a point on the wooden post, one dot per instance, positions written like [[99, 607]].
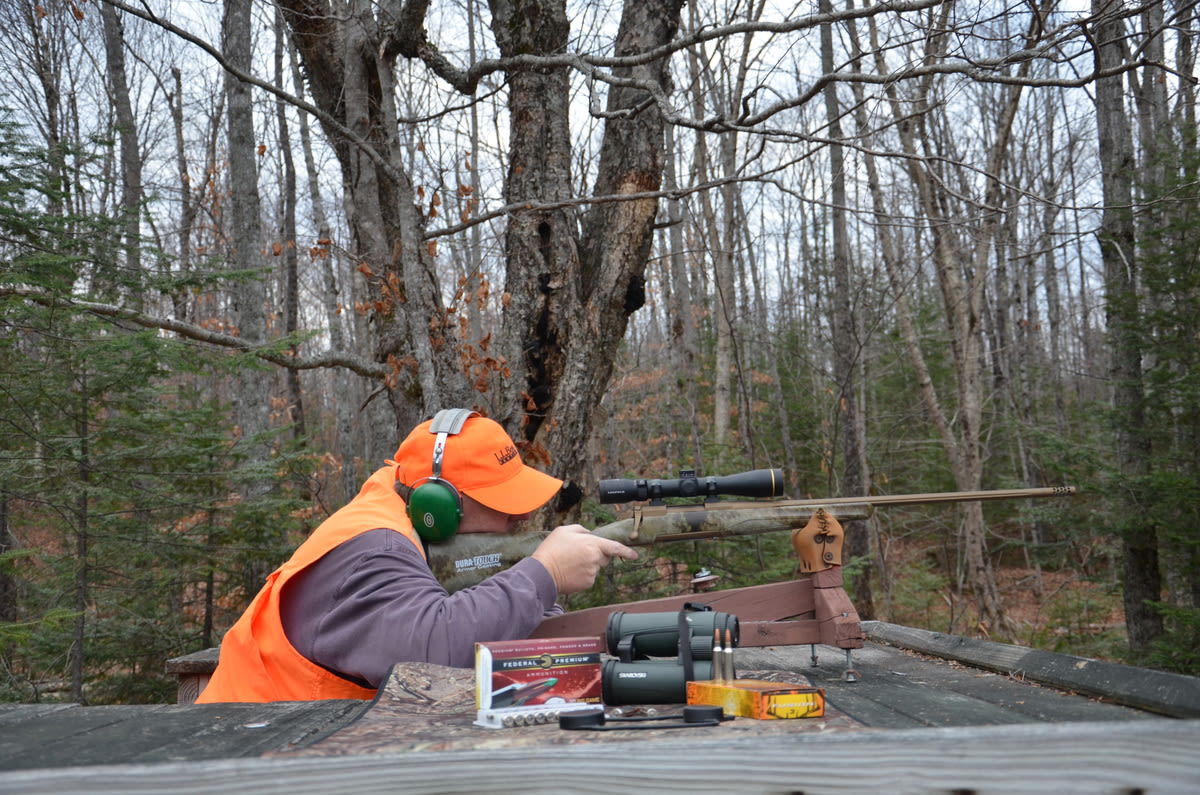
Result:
[[193, 671]]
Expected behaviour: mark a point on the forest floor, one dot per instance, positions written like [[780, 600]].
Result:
[[1064, 611], [1060, 610]]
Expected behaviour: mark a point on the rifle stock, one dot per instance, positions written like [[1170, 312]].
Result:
[[469, 558]]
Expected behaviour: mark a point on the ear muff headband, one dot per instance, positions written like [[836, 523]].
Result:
[[434, 504]]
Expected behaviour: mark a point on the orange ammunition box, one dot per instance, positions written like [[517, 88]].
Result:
[[754, 698]]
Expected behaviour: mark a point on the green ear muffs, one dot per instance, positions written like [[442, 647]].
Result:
[[435, 509], [434, 505]]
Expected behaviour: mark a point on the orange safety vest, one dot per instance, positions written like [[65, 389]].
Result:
[[257, 663]]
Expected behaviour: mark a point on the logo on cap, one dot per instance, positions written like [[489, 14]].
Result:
[[505, 455]]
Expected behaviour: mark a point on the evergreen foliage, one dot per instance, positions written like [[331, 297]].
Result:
[[118, 480], [1170, 329]]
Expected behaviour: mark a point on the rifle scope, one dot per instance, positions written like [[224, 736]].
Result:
[[755, 483]]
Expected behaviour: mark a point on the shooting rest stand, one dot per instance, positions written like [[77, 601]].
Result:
[[812, 609]]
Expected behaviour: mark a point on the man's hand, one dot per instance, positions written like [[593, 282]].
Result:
[[574, 556]]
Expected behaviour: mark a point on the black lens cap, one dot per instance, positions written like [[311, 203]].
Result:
[[581, 719], [702, 713]]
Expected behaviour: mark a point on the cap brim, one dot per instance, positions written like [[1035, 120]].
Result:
[[525, 493]]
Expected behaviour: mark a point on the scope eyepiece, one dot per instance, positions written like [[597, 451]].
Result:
[[755, 483]]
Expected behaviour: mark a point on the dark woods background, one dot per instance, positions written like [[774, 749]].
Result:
[[928, 247]]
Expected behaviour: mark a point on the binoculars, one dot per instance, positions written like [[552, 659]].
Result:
[[686, 637]]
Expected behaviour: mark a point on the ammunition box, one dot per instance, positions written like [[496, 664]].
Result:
[[523, 673], [754, 698]]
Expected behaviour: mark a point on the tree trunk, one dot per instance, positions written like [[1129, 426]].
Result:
[[285, 247], [681, 318], [251, 403], [724, 241], [846, 348], [83, 577], [8, 582], [347, 392], [1119, 254], [725, 297], [131, 157], [568, 298], [187, 203], [350, 76], [542, 289]]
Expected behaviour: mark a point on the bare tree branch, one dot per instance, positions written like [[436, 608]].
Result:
[[269, 353]]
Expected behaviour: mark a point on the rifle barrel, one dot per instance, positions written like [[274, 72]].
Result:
[[468, 559], [943, 496]]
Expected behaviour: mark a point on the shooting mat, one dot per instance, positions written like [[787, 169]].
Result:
[[424, 707]]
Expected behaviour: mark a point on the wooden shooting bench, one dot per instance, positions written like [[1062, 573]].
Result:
[[918, 711], [931, 712]]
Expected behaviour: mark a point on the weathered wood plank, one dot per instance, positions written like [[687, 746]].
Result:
[[1165, 693], [795, 632], [99, 735], [11, 714], [198, 662], [902, 689], [1151, 756], [942, 707], [190, 687]]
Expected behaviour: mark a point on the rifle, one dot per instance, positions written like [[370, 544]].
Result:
[[469, 558]]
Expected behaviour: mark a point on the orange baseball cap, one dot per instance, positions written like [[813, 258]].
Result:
[[480, 461]]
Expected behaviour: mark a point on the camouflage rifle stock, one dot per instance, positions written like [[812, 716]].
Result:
[[469, 558]]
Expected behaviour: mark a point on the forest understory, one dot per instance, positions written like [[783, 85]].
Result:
[[1074, 611]]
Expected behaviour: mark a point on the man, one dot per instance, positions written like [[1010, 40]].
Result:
[[358, 594]]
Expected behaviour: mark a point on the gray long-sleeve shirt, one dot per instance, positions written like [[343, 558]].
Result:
[[373, 601]]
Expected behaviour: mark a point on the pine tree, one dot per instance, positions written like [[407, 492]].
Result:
[[117, 476]]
